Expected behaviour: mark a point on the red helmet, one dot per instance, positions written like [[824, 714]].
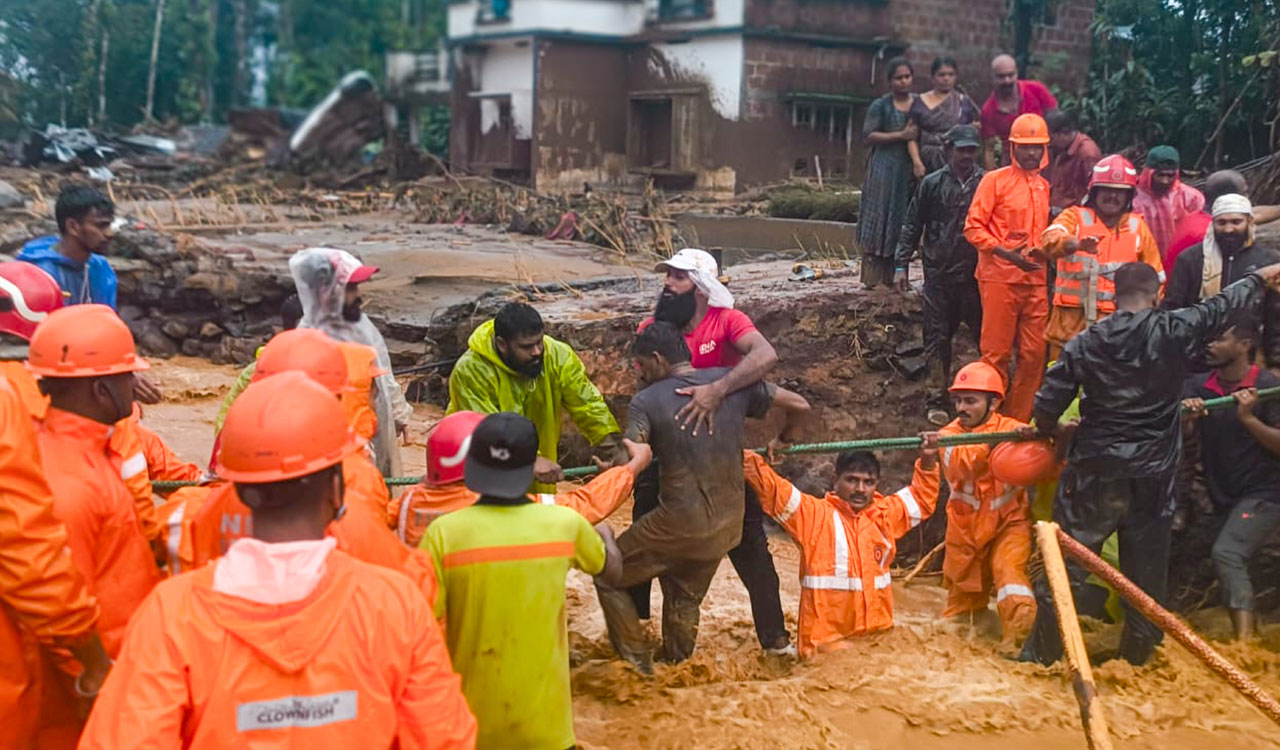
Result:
[[31, 294], [1114, 171], [447, 447]]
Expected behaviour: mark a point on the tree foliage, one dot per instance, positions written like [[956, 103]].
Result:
[[1169, 71], [213, 54]]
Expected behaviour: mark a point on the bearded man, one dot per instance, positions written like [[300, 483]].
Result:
[[512, 365], [1227, 254], [694, 301]]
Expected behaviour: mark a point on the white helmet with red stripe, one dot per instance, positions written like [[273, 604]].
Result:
[[27, 296], [1114, 171], [447, 447]]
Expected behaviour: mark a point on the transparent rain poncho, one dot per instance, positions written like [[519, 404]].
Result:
[[321, 275]]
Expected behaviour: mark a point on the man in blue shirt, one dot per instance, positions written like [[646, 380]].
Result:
[[74, 258]]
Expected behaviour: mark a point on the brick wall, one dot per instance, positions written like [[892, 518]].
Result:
[[857, 19], [974, 31]]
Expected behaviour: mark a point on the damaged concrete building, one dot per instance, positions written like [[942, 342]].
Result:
[[711, 95]]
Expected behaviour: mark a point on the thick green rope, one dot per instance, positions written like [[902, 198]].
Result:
[[870, 444]]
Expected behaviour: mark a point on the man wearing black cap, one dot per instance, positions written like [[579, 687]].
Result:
[[501, 567], [937, 212]]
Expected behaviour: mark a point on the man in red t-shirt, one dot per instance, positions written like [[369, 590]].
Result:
[[1009, 98], [694, 300]]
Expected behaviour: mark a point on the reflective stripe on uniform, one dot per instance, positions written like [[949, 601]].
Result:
[[546, 499], [1013, 589], [793, 504], [174, 540], [1004, 498], [844, 583], [842, 546], [909, 502], [132, 466]]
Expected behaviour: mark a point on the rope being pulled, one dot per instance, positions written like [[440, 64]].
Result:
[[869, 444]]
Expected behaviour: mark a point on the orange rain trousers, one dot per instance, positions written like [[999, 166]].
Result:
[[1015, 313], [358, 663], [45, 599], [988, 538], [845, 586]]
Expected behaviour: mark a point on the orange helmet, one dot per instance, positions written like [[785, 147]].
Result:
[[447, 447], [1114, 171], [308, 351], [979, 376], [1029, 129], [1024, 464], [284, 427], [83, 341], [31, 295]]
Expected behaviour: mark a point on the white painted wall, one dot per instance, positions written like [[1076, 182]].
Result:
[[717, 61], [600, 17], [507, 68]]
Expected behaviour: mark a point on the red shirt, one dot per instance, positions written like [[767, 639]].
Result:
[[711, 343], [1189, 232], [1069, 172], [1033, 97]]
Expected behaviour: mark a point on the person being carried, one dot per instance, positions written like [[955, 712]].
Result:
[[511, 364], [848, 540], [1010, 211], [1228, 253], [1089, 243], [937, 215], [1123, 457], [988, 540], [699, 516], [285, 641], [717, 335], [501, 564], [443, 490], [1240, 452]]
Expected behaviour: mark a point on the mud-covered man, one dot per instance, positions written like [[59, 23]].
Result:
[[700, 509]]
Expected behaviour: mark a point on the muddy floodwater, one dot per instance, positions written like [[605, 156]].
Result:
[[926, 685]]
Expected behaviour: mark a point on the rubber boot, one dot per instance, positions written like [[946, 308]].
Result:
[[1243, 622]]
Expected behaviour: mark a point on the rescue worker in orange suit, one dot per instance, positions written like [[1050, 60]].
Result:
[[85, 358], [1123, 457], [285, 641], [847, 539], [443, 490], [362, 532], [988, 538], [1090, 242], [1008, 214]]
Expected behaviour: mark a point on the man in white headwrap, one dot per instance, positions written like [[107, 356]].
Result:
[[694, 300], [1227, 254], [328, 282]]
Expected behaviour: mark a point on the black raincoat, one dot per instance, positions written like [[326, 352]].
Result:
[[1132, 366], [937, 213]]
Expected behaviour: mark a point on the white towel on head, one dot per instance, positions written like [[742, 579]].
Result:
[[1211, 274]]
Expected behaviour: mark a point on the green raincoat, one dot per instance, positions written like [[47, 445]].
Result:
[[482, 382]]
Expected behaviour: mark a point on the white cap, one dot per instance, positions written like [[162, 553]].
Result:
[[704, 272], [1232, 203]]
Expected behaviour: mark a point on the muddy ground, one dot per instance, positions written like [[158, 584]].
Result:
[[927, 684]]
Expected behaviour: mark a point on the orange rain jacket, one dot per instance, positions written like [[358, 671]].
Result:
[[988, 533], [145, 458], [362, 369], [204, 521], [45, 600], [358, 663], [844, 576], [1009, 208], [103, 529], [410, 513], [26, 386]]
